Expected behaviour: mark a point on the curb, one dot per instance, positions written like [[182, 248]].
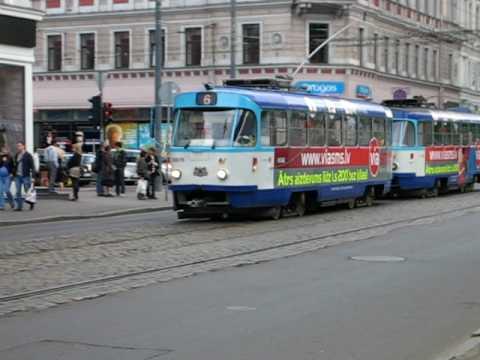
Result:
[[50, 219]]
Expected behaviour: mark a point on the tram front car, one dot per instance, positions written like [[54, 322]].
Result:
[[218, 164]]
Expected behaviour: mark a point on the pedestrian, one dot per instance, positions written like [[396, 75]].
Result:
[[62, 174], [142, 172], [6, 171], [153, 165], [51, 158], [74, 167], [98, 169], [119, 163], [108, 176], [24, 171]]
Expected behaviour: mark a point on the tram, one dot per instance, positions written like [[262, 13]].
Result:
[[240, 150], [435, 151]]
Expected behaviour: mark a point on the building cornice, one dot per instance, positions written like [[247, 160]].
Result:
[[21, 12], [166, 10]]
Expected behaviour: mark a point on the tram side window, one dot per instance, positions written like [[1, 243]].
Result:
[[246, 131], [465, 134], [425, 133], [443, 133], [316, 129], [297, 128], [379, 130], [455, 133], [334, 129], [476, 133], [364, 130], [350, 126], [274, 128]]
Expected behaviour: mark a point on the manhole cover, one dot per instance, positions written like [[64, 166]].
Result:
[[378, 258]]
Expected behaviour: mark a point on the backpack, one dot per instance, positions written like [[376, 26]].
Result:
[[119, 159]]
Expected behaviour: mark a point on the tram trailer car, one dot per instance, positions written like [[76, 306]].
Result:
[[435, 151], [267, 152]]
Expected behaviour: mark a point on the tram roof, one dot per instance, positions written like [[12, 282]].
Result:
[[429, 114], [278, 99]]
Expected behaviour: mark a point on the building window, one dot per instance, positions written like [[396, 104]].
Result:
[[397, 56], [434, 65], [386, 54], [153, 49], [193, 46], [120, 1], [425, 63], [251, 43], [417, 60], [122, 50], [406, 64], [87, 51], [53, 4], [86, 2], [450, 67], [375, 51], [54, 52], [318, 33], [361, 33]]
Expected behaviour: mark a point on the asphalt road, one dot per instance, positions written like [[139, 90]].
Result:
[[317, 306]]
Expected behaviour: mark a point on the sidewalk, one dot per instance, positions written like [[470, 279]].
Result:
[[89, 206]]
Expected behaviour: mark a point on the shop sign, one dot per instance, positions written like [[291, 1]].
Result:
[[322, 87], [363, 92], [400, 93]]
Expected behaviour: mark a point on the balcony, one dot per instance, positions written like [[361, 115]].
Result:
[[327, 7]]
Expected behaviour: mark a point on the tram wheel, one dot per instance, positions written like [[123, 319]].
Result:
[[434, 192], [352, 204], [300, 204], [275, 213], [470, 187]]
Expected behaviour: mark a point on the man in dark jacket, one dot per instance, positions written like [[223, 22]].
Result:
[[98, 170], [24, 171], [119, 163]]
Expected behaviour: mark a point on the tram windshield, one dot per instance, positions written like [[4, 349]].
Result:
[[198, 127], [403, 133]]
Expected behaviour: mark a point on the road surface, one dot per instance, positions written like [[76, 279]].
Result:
[[321, 305]]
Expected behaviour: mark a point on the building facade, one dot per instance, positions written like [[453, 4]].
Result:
[[393, 49], [17, 42]]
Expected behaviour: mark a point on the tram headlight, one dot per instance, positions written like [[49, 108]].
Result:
[[222, 174], [176, 174]]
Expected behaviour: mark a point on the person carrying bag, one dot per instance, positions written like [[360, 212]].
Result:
[[75, 170]]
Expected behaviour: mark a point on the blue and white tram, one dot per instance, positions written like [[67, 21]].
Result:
[[237, 149], [435, 151]]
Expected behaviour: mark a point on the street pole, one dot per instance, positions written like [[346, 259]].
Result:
[[100, 84], [158, 81], [233, 38]]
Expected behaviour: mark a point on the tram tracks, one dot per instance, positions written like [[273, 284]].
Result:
[[239, 254]]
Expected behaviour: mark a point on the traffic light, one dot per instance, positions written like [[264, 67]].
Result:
[[95, 115], [107, 113]]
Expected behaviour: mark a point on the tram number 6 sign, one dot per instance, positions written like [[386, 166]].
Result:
[[374, 157]]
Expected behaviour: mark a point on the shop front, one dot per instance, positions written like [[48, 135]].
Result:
[[17, 41]]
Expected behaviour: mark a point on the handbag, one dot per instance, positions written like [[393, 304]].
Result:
[[142, 187], [75, 172], [31, 195]]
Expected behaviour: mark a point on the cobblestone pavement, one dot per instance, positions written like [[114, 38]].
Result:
[[48, 262]]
